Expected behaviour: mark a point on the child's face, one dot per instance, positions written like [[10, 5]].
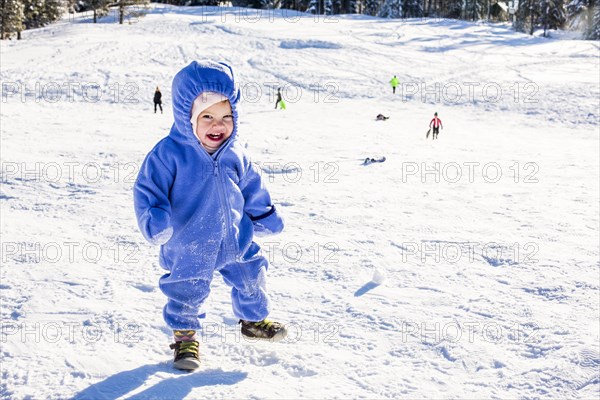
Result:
[[214, 125]]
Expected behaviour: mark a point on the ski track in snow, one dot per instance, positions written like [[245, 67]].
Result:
[[393, 284]]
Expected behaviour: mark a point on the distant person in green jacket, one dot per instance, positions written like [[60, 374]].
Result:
[[279, 102], [394, 82]]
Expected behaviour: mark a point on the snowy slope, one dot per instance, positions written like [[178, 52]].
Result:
[[480, 280]]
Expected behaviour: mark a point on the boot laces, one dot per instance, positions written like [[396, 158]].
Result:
[[185, 347], [265, 324]]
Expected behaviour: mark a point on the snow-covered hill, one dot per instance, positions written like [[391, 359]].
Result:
[[461, 268]]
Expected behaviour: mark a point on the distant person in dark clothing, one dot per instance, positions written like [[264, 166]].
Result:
[[381, 117], [157, 100]]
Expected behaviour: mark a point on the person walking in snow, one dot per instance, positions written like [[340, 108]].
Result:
[[200, 197], [157, 100], [435, 123], [394, 82], [279, 100]]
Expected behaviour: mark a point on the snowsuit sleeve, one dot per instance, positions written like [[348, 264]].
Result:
[[151, 200], [258, 204]]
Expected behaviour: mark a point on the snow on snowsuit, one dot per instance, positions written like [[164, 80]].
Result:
[[205, 209]]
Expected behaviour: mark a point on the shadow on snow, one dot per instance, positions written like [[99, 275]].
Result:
[[179, 385]]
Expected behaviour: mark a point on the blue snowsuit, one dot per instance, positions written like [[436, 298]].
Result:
[[205, 209]]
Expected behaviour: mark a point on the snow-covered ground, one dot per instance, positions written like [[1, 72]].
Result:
[[461, 268]]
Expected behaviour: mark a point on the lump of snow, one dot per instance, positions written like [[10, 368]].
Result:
[[378, 276], [306, 44]]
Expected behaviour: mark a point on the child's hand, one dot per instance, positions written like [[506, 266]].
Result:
[[158, 226], [270, 225]]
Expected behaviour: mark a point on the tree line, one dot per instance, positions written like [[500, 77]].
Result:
[[525, 15], [18, 15]]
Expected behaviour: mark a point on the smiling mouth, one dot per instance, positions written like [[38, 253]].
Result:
[[215, 136]]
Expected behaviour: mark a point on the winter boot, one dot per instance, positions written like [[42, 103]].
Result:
[[264, 330], [186, 355]]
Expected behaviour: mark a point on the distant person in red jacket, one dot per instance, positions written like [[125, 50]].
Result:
[[435, 123]]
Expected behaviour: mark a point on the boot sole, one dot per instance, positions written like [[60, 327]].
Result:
[[187, 364], [282, 334]]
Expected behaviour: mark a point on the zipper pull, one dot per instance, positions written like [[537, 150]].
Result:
[[216, 168]]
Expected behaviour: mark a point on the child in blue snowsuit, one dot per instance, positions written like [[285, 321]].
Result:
[[200, 197]]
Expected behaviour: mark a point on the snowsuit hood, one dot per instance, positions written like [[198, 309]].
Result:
[[189, 83]]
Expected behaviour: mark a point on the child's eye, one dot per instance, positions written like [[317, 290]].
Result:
[[228, 117], [207, 116]]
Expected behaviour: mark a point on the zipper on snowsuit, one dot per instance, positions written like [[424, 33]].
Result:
[[225, 206], [229, 237]]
